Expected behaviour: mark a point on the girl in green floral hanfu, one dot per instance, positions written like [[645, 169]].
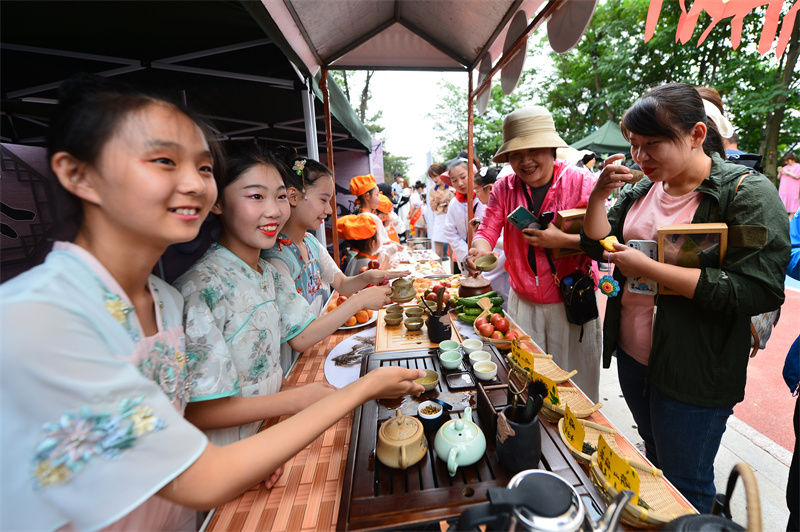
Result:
[[239, 309]]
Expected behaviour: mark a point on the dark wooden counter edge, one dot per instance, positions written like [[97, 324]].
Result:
[[444, 512]]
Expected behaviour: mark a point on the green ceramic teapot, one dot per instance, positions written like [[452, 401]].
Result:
[[460, 442]]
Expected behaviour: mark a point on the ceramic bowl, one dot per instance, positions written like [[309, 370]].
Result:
[[413, 324], [472, 345], [448, 345], [429, 381], [450, 359], [414, 312], [486, 263], [393, 319], [429, 406], [394, 309], [485, 370], [478, 356]]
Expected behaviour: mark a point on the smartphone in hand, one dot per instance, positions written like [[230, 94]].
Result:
[[522, 218]]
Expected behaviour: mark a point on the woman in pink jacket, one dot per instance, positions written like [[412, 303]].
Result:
[[544, 185]]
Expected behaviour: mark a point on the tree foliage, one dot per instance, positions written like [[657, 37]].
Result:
[[392, 164], [612, 65], [451, 122]]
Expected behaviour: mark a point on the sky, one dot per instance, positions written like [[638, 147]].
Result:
[[406, 98]]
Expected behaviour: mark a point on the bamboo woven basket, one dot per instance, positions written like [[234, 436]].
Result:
[[653, 490], [544, 365], [500, 344], [579, 405], [592, 433]]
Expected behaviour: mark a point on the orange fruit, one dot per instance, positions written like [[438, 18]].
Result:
[[362, 316], [352, 321], [369, 313]]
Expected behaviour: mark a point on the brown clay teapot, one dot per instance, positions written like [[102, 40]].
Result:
[[401, 442]]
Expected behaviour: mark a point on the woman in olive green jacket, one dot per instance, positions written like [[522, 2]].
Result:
[[682, 359]]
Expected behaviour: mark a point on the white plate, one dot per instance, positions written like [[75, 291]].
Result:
[[357, 325], [359, 345]]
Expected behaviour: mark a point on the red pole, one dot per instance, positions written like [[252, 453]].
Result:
[[470, 158], [329, 147]]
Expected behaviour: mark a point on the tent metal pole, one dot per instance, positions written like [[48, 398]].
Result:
[[312, 150], [323, 85], [470, 158], [537, 21]]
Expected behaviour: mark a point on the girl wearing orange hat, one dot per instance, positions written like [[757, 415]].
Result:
[[364, 188], [239, 310], [391, 221], [360, 232]]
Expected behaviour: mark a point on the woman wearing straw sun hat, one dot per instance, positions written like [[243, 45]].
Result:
[[543, 184]]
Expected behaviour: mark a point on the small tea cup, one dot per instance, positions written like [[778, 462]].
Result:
[[414, 312], [429, 381], [450, 359], [472, 345], [394, 309], [413, 324], [448, 345], [393, 319], [478, 356], [485, 370]]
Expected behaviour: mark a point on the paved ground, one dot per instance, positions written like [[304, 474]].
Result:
[[760, 431]]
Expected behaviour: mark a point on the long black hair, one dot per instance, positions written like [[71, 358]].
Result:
[[671, 111]]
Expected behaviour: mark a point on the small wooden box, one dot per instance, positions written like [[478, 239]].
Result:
[[570, 221], [692, 246]]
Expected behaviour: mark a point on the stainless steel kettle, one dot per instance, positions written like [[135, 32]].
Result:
[[541, 501]]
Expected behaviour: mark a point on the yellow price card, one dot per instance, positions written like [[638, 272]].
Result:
[[573, 430], [552, 395], [619, 474], [521, 356]]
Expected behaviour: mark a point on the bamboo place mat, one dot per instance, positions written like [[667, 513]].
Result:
[[389, 338], [306, 497]]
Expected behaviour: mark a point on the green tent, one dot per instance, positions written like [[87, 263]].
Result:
[[607, 139]]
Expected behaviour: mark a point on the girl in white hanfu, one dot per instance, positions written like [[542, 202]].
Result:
[[94, 378]]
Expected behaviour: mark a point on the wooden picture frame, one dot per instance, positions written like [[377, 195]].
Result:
[[570, 221], [692, 246]]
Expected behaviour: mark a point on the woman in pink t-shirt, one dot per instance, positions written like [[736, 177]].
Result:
[[682, 359]]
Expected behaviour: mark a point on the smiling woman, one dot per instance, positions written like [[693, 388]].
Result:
[[545, 185]]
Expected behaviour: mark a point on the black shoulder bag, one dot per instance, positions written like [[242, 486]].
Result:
[[577, 290]]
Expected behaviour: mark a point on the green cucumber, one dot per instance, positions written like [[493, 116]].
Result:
[[466, 318], [470, 311]]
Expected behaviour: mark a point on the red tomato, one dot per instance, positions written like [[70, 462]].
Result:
[[512, 335], [497, 335], [446, 284], [486, 329], [494, 318], [363, 269], [501, 325], [431, 296], [445, 297], [479, 322], [374, 265]]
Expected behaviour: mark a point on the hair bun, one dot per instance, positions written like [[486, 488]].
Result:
[[287, 154]]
